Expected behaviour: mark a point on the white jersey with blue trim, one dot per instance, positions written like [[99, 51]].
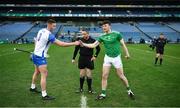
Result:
[[43, 40]]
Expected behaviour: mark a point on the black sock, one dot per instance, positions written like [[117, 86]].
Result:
[[161, 61], [156, 59], [89, 82], [81, 82]]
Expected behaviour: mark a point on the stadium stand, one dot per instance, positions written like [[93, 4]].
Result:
[[12, 30], [135, 21], [129, 31], [154, 30], [175, 26], [31, 34]]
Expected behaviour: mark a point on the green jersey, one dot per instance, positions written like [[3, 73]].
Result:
[[111, 42]]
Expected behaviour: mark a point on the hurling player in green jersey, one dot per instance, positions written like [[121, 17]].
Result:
[[111, 41]]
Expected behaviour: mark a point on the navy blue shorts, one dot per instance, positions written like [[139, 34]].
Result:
[[38, 60]]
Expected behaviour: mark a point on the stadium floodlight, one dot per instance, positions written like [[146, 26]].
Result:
[[99, 11], [40, 11], [69, 11], [129, 12], [9, 11]]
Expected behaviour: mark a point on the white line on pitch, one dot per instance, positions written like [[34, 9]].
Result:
[[83, 101], [8, 54], [14, 52], [152, 52]]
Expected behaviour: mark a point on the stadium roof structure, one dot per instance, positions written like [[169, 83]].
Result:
[[93, 2], [89, 6], [101, 9]]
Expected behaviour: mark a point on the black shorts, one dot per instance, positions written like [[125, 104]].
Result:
[[160, 50], [85, 62]]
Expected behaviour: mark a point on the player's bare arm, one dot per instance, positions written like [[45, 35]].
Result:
[[93, 45], [125, 48], [65, 44]]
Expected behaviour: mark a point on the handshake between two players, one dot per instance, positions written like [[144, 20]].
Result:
[[111, 41]]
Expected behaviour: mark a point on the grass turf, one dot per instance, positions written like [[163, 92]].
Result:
[[152, 85]]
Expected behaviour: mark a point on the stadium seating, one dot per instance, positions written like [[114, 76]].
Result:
[[154, 30], [176, 26], [12, 30], [71, 29], [33, 33], [129, 31]]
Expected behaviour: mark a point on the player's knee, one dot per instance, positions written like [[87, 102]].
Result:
[[36, 72], [82, 75], [44, 73], [104, 76], [121, 75], [157, 55], [161, 56], [89, 76]]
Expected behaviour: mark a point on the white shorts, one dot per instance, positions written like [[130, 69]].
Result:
[[115, 61]]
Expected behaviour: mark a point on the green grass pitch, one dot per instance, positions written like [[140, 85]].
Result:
[[152, 85]]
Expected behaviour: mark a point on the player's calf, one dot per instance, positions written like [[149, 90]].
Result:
[[81, 83]]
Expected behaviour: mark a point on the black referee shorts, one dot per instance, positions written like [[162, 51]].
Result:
[[160, 50], [85, 62]]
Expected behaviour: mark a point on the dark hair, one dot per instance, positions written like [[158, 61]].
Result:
[[106, 22], [50, 21], [161, 34], [85, 29]]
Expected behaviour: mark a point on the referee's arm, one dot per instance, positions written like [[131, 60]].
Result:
[[75, 51], [97, 51]]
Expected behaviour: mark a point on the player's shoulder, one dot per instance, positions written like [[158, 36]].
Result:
[[42, 30], [45, 31], [102, 34], [115, 32]]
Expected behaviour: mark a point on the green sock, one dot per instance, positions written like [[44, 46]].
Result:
[[128, 88], [104, 92]]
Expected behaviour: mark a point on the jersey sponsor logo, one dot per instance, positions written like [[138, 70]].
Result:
[[110, 38]]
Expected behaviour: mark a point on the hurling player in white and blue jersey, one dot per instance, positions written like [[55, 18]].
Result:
[[43, 40]]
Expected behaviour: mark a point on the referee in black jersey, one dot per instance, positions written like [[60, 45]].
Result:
[[86, 61], [160, 43]]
